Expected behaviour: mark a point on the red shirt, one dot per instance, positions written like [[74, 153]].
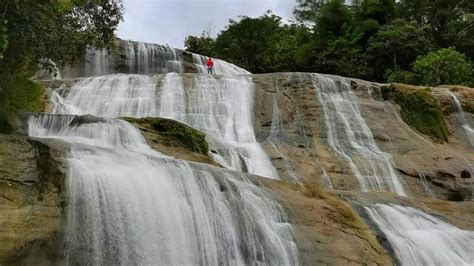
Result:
[[210, 63]]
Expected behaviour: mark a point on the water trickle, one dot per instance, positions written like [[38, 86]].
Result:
[[468, 130], [350, 137], [422, 239]]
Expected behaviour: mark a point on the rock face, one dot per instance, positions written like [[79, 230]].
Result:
[[31, 179], [319, 191], [174, 138], [301, 149]]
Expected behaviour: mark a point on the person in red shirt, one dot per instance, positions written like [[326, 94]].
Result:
[[210, 66]]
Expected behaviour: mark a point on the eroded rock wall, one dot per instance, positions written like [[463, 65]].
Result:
[[31, 179], [428, 168]]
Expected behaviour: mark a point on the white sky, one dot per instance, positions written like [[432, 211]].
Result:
[[170, 21]]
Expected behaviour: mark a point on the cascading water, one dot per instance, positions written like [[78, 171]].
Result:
[[422, 239], [220, 67], [220, 106], [97, 62], [350, 137], [468, 130], [147, 58], [130, 205]]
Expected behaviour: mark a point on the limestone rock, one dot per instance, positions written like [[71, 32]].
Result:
[[174, 138], [31, 179]]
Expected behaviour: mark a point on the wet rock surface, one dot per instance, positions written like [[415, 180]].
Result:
[[329, 225], [174, 138], [427, 168], [31, 179]]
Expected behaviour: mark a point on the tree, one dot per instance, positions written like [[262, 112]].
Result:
[[397, 45], [252, 43], [203, 44], [332, 19], [381, 11], [58, 29], [3, 36], [445, 66], [443, 16], [32, 31], [308, 10]]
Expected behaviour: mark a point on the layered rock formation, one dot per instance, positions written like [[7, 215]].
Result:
[[341, 148]]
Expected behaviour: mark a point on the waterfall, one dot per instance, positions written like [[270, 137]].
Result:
[[147, 58], [465, 125], [219, 106], [349, 136], [128, 204], [422, 239], [220, 67], [98, 62]]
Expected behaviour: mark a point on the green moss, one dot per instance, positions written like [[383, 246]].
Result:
[[18, 93], [420, 110], [174, 133]]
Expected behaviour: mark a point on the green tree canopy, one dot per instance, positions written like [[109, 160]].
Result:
[[57, 29], [381, 11], [445, 66], [333, 19], [32, 31], [307, 10], [252, 43], [445, 17], [397, 45], [203, 44]]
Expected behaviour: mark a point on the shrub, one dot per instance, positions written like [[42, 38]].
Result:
[[445, 66]]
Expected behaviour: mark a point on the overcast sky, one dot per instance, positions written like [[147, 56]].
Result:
[[170, 21]]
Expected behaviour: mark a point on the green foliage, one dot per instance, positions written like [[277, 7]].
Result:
[[445, 66], [203, 45], [440, 15], [253, 43], [397, 45], [371, 39], [32, 31], [3, 36], [343, 56], [420, 110], [333, 19], [18, 93], [401, 76], [307, 10], [381, 11], [58, 29]]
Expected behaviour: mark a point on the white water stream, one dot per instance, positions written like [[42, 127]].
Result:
[[468, 130], [131, 205], [219, 106], [351, 138], [422, 239], [128, 204]]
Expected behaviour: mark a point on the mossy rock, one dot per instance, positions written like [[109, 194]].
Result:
[[18, 93], [173, 133], [420, 110]]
